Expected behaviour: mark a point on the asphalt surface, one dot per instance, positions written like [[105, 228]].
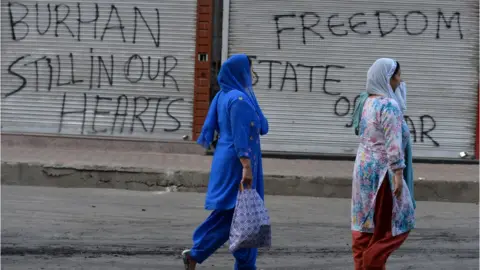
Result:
[[53, 228]]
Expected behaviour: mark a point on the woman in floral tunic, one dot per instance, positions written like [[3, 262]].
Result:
[[382, 208]]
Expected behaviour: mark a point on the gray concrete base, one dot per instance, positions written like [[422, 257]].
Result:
[[99, 143], [34, 174]]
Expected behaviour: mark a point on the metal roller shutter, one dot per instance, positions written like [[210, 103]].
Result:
[[311, 58], [112, 68]]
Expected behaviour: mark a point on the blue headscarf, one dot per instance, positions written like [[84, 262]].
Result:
[[235, 74]]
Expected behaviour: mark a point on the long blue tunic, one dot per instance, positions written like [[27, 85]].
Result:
[[235, 114], [240, 128]]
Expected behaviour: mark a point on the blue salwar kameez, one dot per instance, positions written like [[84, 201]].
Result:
[[236, 116]]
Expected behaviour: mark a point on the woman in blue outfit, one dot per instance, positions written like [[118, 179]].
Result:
[[235, 114]]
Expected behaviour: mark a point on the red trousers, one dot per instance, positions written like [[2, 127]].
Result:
[[371, 251]]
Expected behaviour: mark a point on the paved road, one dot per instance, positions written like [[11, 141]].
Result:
[[83, 167], [51, 228]]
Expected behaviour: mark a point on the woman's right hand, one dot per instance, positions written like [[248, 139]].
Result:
[[397, 191], [246, 172], [247, 176]]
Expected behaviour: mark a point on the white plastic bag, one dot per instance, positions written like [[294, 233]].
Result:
[[251, 222]]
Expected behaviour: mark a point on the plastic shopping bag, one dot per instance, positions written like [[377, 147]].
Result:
[[251, 222]]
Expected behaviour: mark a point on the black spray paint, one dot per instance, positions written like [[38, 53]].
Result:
[[81, 21], [342, 106], [314, 27], [58, 14], [118, 117]]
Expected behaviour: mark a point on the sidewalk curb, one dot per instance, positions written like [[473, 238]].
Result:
[[147, 179]]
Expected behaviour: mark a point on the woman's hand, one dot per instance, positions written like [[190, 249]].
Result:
[[397, 191], [247, 176], [246, 172]]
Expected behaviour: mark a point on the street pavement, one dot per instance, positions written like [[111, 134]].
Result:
[[79, 167], [55, 228]]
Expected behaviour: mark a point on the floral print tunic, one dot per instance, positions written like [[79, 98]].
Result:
[[380, 151]]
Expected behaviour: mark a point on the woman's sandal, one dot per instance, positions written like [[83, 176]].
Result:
[[187, 260]]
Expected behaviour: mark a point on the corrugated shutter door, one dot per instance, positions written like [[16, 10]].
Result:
[[146, 91], [311, 58]]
